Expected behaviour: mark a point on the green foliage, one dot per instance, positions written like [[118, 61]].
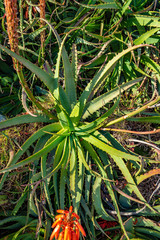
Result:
[[141, 228], [75, 141], [72, 157]]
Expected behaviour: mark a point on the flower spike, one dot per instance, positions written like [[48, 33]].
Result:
[[80, 228], [66, 226]]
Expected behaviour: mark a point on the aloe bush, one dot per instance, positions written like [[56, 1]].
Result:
[[67, 147], [104, 28]]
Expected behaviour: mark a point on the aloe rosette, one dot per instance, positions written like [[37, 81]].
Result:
[[73, 141]]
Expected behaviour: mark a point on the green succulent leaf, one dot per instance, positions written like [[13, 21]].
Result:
[[21, 200], [111, 4], [99, 102], [108, 149], [96, 195], [63, 172], [73, 175], [145, 36], [90, 127], [35, 156], [57, 159], [49, 128], [45, 77], [46, 181], [150, 63], [23, 119], [97, 79], [70, 88], [151, 119], [147, 175], [143, 20]]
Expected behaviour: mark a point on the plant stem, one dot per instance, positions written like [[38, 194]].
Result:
[[130, 131]]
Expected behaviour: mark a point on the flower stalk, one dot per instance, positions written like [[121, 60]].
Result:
[[11, 10], [42, 5], [12, 25]]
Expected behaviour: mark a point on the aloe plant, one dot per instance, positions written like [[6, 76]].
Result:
[[141, 228], [67, 147]]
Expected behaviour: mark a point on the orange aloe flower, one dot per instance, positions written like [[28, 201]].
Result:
[[67, 226]]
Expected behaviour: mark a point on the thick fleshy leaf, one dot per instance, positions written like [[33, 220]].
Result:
[[149, 231], [63, 172], [138, 110], [77, 165], [37, 135], [73, 175], [64, 100], [121, 165], [97, 202], [143, 20], [19, 219], [80, 169], [46, 182], [23, 119], [44, 76], [82, 158], [151, 119], [125, 7], [20, 201], [96, 196], [57, 159], [68, 74], [56, 75], [98, 78], [80, 180], [95, 157], [54, 127], [119, 161], [74, 62], [148, 223], [62, 155], [100, 101], [35, 156], [145, 36], [108, 149], [111, 4], [147, 175], [90, 127]]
